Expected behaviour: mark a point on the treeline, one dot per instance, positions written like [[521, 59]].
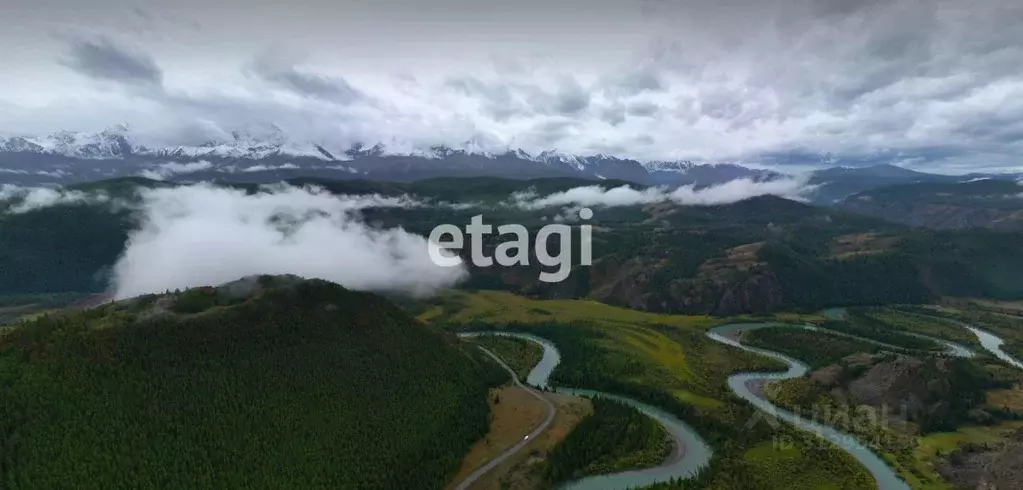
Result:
[[615, 437], [520, 355], [816, 349], [811, 282], [859, 324], [968, 384], [915, 319], [304, 386]]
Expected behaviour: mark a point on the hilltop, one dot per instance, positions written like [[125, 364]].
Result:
[[264, 382]]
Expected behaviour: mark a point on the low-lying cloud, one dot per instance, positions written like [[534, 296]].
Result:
[[203, 235], [729, 192], [20, 200], [170, 169]]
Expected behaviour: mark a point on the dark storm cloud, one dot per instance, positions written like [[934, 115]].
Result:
[[103, 58], [275, 69]]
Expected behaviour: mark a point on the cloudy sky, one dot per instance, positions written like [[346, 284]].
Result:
[[930, 84]]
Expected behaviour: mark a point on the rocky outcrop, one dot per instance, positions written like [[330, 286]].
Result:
[[933, 392], [985, 466]]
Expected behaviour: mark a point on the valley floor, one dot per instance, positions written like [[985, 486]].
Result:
[[513, 417], [666, 361]]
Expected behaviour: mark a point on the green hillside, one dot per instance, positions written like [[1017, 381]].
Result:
[[268, 383], [760, 255], [987, 203]]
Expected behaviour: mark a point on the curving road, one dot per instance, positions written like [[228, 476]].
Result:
[[476, 474], [691, 452]]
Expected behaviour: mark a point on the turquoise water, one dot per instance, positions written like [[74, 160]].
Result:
[[696, 451], [993, 344], [884, 475]]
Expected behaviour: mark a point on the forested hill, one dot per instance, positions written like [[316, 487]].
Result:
[[271, 382], [757, 255], [986, 203]]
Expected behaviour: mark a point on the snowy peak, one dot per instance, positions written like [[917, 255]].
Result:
[[267, 142], [247, 152], [115, 142], [680, 166], [116, 152], [251, 145], [119, 142], [19, 144]]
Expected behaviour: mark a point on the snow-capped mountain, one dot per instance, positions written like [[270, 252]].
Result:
[[107, 144], [67, 157], [677, 166], [119, 143]]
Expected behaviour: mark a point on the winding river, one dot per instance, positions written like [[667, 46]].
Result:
[[690, 455], [884, 475], [993, 344], [742, 384], [951, 348], [989, 341]]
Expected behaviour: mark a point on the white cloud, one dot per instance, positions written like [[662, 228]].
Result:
[[170, 169], [739, 189], [202, 235], [8, 191], [27, 199], [264, 168], [729, 192]]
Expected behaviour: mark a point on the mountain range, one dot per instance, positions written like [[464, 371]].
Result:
[[68, 157]]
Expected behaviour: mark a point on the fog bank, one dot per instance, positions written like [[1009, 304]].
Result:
[[27, 199], [729, 192], [203, 235]]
